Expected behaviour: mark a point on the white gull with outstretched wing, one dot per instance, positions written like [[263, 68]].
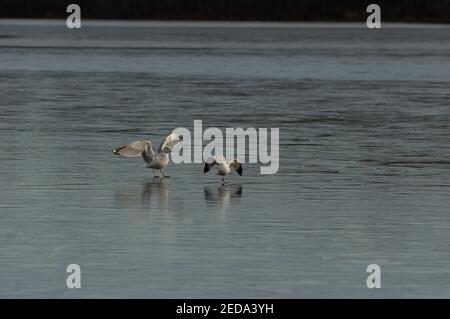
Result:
[[144, 148]]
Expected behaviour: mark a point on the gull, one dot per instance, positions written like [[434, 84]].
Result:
[[224, 168], [144, 148]]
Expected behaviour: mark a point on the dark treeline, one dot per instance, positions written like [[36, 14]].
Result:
[[262, 10]]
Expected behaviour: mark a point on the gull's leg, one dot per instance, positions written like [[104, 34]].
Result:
[[164, 175], [154, 175], [223, 180]]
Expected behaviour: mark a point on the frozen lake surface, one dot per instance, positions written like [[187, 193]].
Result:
[[364, 160]]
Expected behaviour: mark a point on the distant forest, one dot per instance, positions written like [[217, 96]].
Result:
[[248, 10]]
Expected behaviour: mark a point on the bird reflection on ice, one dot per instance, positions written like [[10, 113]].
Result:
[[154, 194], [222, 195]]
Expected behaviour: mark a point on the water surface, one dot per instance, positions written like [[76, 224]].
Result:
[[364, 160]]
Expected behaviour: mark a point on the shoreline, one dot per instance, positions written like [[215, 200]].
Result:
[[219, 23]]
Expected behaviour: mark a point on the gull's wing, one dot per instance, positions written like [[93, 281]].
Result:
[[135, 149], [237, 166], [209, 164], [170, 141]]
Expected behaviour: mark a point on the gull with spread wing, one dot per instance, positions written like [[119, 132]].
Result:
[[224, 168], [144, 148]]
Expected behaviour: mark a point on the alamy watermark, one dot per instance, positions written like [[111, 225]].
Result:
[[374, 19], [235, 142], [374, 279], [74, 279], [73, 21]]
